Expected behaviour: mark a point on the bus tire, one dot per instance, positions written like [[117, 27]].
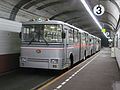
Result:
[[84, 55], [71, 60], [91, 52]]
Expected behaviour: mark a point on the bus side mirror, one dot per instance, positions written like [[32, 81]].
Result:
[[20, 35], [63, 35]]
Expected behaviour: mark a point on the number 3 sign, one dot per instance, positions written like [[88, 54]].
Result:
[[98, 10]]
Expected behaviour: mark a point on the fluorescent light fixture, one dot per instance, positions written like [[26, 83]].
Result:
[[91, 14]]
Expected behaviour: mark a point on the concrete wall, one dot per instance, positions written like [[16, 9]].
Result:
[[117, 47], [9, 45], [117, 55]]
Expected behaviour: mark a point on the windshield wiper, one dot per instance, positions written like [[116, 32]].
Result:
[[44, 39], [31, 41]]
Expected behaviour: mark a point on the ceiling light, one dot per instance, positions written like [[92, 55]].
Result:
[[91, 14]]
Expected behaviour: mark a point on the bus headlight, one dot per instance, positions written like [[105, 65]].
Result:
[[23, 59], [54, 61]]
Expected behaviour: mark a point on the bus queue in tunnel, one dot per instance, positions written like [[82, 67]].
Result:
[[47, 47]]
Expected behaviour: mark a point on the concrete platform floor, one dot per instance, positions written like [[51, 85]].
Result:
[[100, 72]]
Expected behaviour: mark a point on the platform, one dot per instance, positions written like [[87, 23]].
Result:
[[99, 72]]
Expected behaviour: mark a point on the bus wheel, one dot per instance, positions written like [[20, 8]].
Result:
[[91, 52], [84, 55], [71, 61]]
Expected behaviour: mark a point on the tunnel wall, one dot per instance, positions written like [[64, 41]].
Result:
[[117, 47], [8, 62], [117, 55], [9, 45], [104, 42]]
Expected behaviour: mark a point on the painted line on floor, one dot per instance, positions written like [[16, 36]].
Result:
[[42, 88], [59, 86], [9, 72], [41, 84]]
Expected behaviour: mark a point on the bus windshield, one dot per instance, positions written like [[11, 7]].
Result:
[[42, 33]]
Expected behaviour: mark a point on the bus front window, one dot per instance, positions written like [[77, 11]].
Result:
[[53, 33], [42, 33]]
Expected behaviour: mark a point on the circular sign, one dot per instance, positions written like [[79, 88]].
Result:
[[38, 51], [98, 10]]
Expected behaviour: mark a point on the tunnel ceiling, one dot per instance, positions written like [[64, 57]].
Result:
[[70, 11]]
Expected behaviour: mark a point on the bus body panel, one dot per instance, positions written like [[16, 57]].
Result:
[[41, 57]]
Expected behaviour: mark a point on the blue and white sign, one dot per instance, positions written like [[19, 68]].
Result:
[[98, 10]]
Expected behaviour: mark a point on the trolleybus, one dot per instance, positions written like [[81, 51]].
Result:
[[55, 45]]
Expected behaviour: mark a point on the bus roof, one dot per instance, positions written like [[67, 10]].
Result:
[[43, 22], [52, 22], [57, 22]]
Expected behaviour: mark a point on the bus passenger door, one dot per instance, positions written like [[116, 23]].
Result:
[[68, 45], [83, 45], [65, 45], [76, 46]]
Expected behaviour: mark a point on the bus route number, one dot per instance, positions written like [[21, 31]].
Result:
[[98, 10]]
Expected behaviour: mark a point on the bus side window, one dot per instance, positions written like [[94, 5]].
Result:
[[70, 36], [83, 38], [75, 36]]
